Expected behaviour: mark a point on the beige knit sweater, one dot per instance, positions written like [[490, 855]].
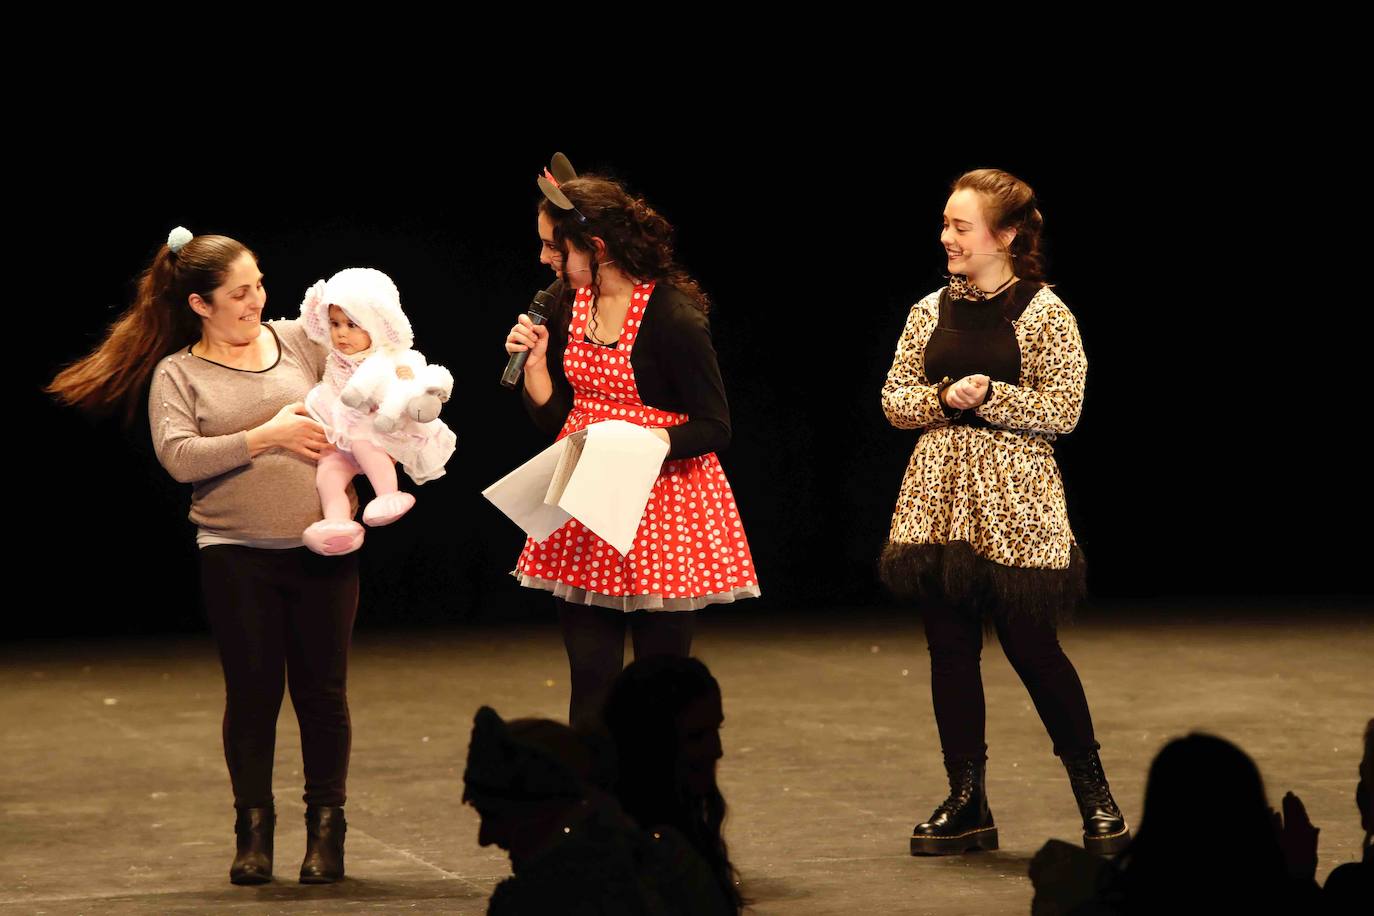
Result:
[[200, 413]]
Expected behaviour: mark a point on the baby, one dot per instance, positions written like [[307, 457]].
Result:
[[378, 403]]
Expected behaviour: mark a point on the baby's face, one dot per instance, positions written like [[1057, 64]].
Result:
[[346, 336]]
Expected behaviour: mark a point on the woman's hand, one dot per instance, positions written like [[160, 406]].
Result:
[[292, 429], [529, 337], [661, 433], [967, 393]]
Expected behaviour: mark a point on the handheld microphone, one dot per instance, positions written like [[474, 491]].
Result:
[[539, 311]]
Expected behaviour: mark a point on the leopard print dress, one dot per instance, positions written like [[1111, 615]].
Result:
[[980, 519]]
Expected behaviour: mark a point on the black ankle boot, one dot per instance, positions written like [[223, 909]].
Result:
[[253, 862], [963, 821], [324, 845], [1104, 829]]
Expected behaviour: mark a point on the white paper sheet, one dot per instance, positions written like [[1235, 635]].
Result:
[[601, 476]]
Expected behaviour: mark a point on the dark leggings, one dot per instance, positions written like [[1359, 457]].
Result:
[[595, 640], [955, 640], [282, 617]]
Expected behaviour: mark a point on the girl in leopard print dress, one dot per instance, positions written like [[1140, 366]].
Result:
[[991, 369]]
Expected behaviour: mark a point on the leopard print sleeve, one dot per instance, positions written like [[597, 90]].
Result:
[[909, 400], [1055, 369]]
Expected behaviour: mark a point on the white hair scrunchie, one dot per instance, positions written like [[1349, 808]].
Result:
[[177, 239]]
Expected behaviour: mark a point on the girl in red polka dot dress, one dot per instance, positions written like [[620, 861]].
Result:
[[630, 341]]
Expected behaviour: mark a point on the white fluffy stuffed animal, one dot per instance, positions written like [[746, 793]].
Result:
[[379, 383]]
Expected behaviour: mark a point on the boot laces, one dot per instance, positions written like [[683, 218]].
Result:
[[1091, 782]]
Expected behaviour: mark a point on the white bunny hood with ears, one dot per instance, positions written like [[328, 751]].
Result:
[[370, 300]]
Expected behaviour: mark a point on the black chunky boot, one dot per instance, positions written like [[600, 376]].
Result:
[[253, 828], [963, 821], [324, 845], [1104, 829]]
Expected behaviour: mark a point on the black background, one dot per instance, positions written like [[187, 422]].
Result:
[[1218, 453]]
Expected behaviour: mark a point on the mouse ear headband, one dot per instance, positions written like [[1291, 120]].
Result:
[[559, 171]]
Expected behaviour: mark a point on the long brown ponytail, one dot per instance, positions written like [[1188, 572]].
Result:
[[158, 322]]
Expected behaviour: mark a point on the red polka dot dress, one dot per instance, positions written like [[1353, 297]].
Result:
[[690, 550]]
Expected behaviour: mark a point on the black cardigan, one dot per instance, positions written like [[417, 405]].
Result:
[[675, 369]]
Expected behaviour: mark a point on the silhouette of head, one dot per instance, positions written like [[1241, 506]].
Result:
[[1206, 834], [664, 714]]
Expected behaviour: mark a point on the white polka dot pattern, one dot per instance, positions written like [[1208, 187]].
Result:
[[691, 542]]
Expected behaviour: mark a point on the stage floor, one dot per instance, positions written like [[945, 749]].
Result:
[[115, 797]]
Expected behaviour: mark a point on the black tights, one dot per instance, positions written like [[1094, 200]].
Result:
[[282, 617], [595, 640], [955, 639]]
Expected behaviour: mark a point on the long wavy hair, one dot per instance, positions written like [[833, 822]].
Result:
[[111, 378]]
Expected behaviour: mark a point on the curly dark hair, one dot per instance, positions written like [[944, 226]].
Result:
[[637, 237], [1009, 203]]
